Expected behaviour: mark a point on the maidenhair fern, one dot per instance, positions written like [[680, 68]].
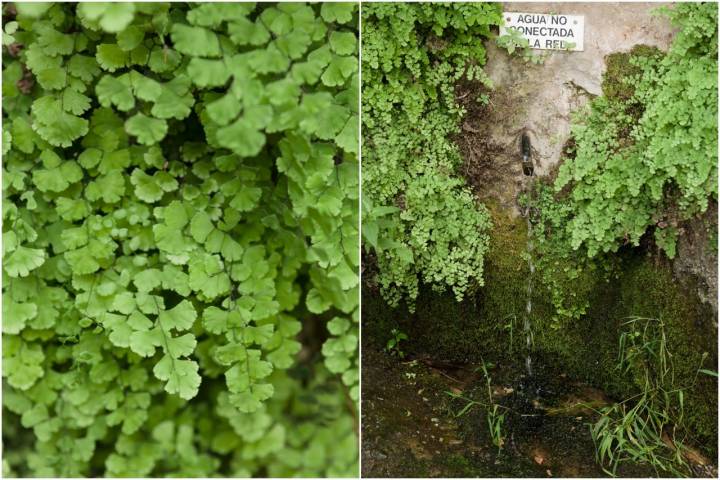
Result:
[[645, 158], [649, 161], [180, 199], [419, 217]]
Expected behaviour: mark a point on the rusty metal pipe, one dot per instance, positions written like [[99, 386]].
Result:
[[526, 151]]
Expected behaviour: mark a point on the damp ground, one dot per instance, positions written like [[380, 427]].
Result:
[[418, 421]]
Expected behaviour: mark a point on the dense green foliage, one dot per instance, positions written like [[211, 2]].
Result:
[[180, 288], [645, 156], [649, 160], [419, 217]]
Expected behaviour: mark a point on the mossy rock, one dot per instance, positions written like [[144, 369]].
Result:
[[475, 328], [616, 83], [648, 290], [587, 348], [440, 327]]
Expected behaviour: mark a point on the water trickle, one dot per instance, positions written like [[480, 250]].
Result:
[[528, 170], [528, 307]]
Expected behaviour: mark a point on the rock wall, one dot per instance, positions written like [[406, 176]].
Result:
[[697, 255], [540, 99]]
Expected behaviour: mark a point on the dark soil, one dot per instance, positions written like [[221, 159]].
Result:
[[408, 429], [413, 427]]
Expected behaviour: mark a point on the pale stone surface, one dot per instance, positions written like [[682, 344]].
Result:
[[540, 99]]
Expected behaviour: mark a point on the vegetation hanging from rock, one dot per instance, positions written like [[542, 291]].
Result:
[[419, 217], [644, 156]]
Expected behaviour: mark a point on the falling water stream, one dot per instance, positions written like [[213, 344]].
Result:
[[528, 307], [529, 171]]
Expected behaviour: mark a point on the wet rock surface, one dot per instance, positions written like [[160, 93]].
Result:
[[412, 426], [405, 431]]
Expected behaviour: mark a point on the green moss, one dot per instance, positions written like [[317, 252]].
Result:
[[441, 327], [459, 465], [378, 319], [586, 348], [502, 302], [650, 290], [617, 85]]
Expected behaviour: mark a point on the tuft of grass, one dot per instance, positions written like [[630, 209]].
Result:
[[646, 427], [469, 403], [495, 412], [495, 418]]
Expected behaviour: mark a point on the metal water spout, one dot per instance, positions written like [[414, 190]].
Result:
[[526, 150]]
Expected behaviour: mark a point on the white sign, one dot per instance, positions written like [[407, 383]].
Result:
[[545, 31]]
